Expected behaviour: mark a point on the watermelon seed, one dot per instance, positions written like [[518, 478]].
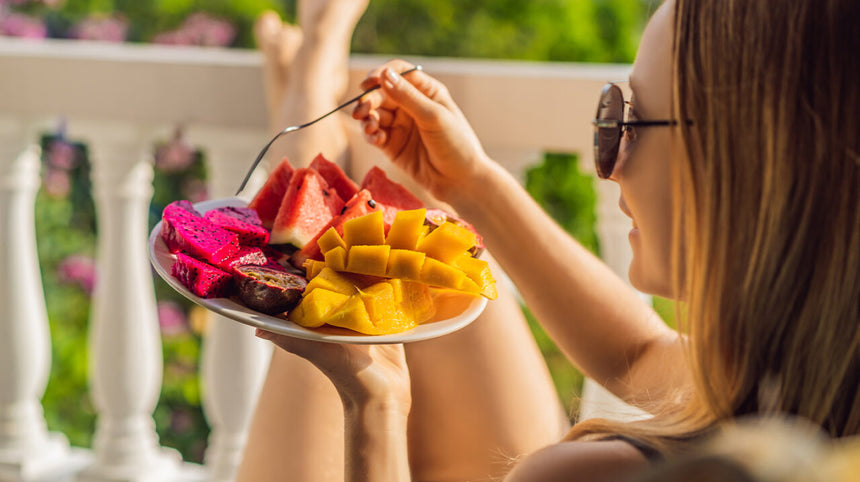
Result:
[[371, 203]]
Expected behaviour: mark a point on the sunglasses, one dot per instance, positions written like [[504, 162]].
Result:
[[609, 128]]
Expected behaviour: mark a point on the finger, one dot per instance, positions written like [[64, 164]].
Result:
[[371, 123], [417, 103], [373, 77]]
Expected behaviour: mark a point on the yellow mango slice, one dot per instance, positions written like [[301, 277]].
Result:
[[479, 272], [353, 315], [437, 273], [365, 230], [331, 280], [406, 229], [330, 240], [313, 268], [447, 242], [335, 258], [372, 260], [316, 306], [417, 301], [405, 264]]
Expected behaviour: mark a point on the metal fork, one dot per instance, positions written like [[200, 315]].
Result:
[[302, 126]]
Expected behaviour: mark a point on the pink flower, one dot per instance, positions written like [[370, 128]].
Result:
[[80, 270], [106, 29], [57, 183], [174, 155], [61, 154], [15, 24], [171, 318], [199, 29]]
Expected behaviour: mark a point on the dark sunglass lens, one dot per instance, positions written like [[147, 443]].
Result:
[[607, 139]]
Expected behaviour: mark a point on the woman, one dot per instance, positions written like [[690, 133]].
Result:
[[739, 167]]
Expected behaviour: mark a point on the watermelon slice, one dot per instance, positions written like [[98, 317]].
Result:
[[335, 177], [308, 206], [390, 196], [359, 205], [268, 199]]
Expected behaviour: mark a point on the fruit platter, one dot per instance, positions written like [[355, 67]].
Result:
[[316, 256]]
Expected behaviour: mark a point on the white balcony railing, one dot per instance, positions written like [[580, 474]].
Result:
[[119, 99]]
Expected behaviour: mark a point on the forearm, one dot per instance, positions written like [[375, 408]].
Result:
[[375, 441], [595, 318]]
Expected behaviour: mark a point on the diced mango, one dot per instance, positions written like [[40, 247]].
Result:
[[330, 240], [406, 229], [372, 260], [316, 306], [331, 280], [479, 272], [365, 230], [353, 315], [313, 268], [382, 304], [405, 264], [447, 242], [335, 258], [437, 273]]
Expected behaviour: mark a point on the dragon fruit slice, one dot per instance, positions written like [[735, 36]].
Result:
[[247, 255], [243, 221], [268, 290], [204, 280], [183, 230]]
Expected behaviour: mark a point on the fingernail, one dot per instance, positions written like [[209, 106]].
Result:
[[390, 77]]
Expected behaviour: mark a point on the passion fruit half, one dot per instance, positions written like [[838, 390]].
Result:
[[268, 289]]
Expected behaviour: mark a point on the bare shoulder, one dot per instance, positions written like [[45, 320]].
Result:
[[573, 461]]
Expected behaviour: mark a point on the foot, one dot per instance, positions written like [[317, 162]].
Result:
[[279, 43]]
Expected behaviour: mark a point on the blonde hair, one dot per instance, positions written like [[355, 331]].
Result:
[[768, 215]]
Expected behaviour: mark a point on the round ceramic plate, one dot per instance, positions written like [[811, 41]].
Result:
[[453, 311]]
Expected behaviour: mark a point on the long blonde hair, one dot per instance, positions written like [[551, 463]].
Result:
[[768, 216]]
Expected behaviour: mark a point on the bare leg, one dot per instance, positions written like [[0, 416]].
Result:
[[297, 430], [481, 396]]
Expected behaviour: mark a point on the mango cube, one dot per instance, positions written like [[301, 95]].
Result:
[[406, 229], [353, 315], [365, 230], [447, 242], [335, 258], [372, 260], [315, 308], [330, 280], [405, 264], [330, 240], [313, 268], [437, 273], [479, 272]]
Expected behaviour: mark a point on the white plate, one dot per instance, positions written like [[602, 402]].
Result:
[[453, 311]]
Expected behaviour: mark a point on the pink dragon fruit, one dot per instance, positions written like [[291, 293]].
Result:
[[204, 280], [183, 230], [247, 255], [243, 221]]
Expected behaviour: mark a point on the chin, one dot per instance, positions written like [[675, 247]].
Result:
[[649, 281]]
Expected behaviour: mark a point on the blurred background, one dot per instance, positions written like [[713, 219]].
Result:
[[604, 31]]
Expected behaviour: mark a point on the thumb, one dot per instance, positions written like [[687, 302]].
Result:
[[419, 104]]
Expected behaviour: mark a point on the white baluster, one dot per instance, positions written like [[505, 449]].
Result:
[[234, 361], [27, 450], [612, 229], [125, 344]]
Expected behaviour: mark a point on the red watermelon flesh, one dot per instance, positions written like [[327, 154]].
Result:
[[268, 199], [335, 177], [308, 206], [359, 205], [390, 196]]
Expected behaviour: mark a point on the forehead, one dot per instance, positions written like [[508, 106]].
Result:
[[651, 77]]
